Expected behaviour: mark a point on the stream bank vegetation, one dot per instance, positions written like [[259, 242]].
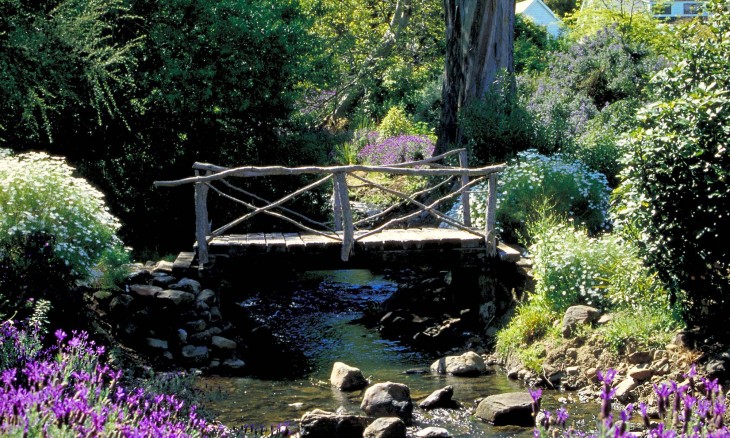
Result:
[[622, 105]]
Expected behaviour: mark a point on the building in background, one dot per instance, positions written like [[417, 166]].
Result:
[[541, 15]]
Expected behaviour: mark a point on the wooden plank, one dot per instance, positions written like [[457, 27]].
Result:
[[182, 262], [313, 242], [294, 243], [275, 242], [255, 243], [509, 253], [373, 242]]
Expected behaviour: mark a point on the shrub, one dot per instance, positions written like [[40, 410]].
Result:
[[673, 199], [497, 126], [530, 182], [593, 73], [571, 268], [396, 122], [54, 227], [66, 390], [645, 328], [532, 321], [397, 149]]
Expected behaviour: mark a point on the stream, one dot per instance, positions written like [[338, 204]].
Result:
[[319, 319]]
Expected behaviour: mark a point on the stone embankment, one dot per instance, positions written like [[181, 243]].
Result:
[[174, 321]]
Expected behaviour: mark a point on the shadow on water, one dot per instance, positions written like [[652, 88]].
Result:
[[314, 325]]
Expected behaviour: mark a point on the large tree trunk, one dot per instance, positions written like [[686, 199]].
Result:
[[398, 22], [479, 44]]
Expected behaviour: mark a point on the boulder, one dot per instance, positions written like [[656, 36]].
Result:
[[386, 427], [640, 357], [163, 267], [195, 353], [103, 297], [439, 399], [197, 325], [176, 297], [120, 304], [157, 344], [347, 378], [163, 280], [510, 409], [623, 389], [223, 343], [207, 296], [640, 372], [323, 424], [387, 400], [144, 290], [578, 315], [468, 364], [234, 363], [187, 285], [182, 335], [433, 432]]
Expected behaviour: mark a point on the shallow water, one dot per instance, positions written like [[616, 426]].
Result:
[[326, 337]]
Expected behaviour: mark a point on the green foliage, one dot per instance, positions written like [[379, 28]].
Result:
[[497, 126], [645, 328], [532, 180], [598, 147], [396, 122], [561, 7], [635, 26], [353, 29], [673, 199], [531, 322], [572, 268], [60, 54], [114, 267], [54, 227], [582, 82], [532, 46]]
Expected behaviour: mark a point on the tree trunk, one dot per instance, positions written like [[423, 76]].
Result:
[[353, 93], [479, 44]]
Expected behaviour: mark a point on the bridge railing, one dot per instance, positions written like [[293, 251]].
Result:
[[217, 178]]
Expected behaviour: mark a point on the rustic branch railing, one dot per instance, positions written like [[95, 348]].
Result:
[[343, 226]]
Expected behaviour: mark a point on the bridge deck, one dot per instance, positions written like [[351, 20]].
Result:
[[430, 246], [387, 240]]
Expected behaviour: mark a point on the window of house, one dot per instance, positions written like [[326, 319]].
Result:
[[691, 8]]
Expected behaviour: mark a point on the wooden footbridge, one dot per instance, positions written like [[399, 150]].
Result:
[[345, 240]]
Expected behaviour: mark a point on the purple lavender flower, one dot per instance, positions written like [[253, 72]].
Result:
[[398, 149], [644, 414], [561, 416], [607, 377], [536, 395]]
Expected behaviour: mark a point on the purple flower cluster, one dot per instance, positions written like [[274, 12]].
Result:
[[66, 390], [689, 409], [398, 149]]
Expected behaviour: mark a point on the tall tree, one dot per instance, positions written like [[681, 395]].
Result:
[[479, 44]]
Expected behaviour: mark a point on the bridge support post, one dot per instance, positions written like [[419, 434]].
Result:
[[202, 226], [341, 194], [491, 216], [464, 163]]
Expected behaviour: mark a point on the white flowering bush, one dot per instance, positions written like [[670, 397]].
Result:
[[50, 220], [533, 180], [570, 267]]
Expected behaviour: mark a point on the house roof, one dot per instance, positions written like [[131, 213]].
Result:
[[522, 6]]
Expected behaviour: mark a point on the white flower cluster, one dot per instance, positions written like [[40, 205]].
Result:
[[566, 184], [40, 194], [572, 268]]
